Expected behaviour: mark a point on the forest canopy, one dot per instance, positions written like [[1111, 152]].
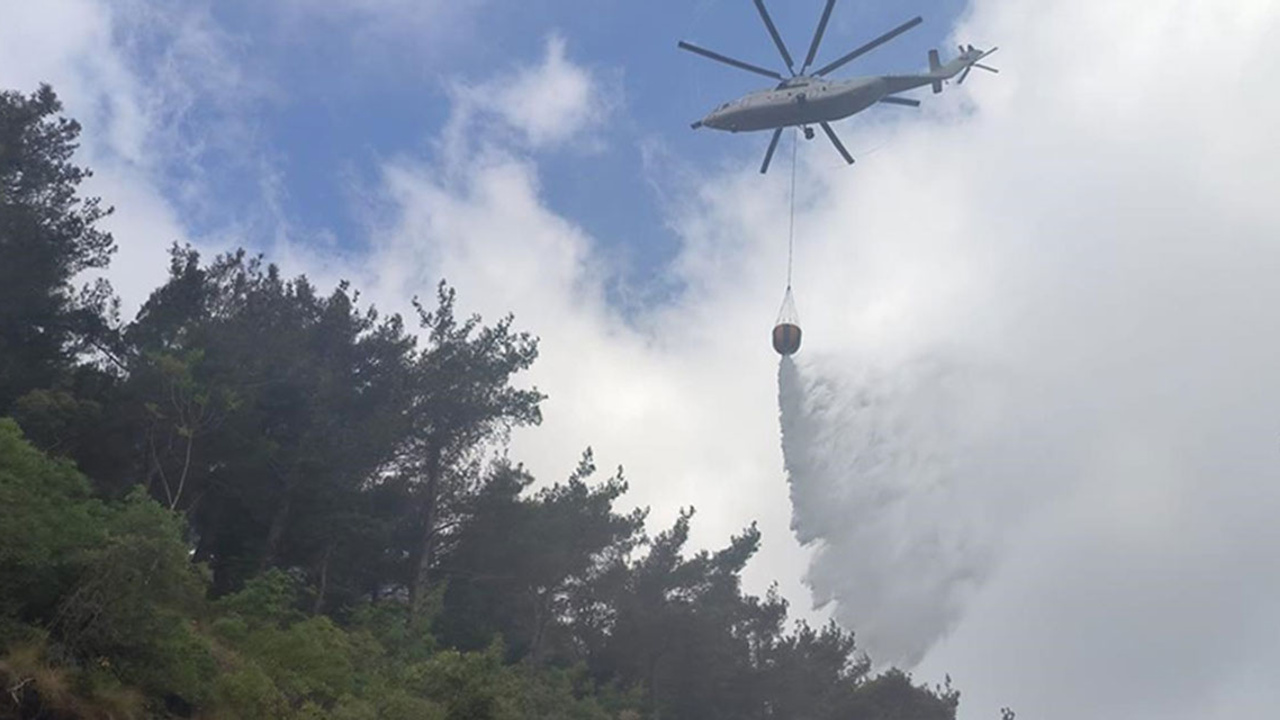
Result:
[[259, 498]]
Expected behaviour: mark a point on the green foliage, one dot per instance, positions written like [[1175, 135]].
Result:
[[518, 561], [57, 421], [268, 600], [50, 523], [47, 235], [114, 584], [391, 626], [136, 601], [311, 659], [467, 685], [181, 409], [472, 365], [265, 408], [563, 693], [246, 691], [463, 399], [894, 695]]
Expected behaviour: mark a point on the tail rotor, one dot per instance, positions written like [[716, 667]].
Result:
[[971, 56]]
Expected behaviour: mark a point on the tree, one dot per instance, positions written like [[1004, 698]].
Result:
[[893, 694], [181, 411], [680, 627], [290, 401], [519, 560], [463, 399], [807, 673], [48, 234], [48, 522], [135, 600]]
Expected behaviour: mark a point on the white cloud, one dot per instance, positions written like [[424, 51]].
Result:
[[387, 16], [159, 90], [405, 39], [547, 105], [70, 44], [164, 93]]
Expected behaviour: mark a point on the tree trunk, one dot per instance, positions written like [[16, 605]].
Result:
[[541, 618], [419, 589], [279, 522], [186, 468], [324, 580]]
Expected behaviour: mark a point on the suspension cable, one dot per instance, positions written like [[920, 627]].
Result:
[[791, 235]]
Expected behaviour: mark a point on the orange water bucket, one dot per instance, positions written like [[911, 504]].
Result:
[[786, 338]]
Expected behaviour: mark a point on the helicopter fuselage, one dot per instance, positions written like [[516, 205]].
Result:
[[808, 101], [809, 98]]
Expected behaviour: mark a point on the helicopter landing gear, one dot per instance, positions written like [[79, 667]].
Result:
[[808, 133]]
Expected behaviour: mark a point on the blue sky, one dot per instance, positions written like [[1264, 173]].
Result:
[[340, 105]]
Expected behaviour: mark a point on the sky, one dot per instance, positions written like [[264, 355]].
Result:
[[1031, 440]]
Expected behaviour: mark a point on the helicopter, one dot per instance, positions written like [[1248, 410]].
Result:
[[807, 98]]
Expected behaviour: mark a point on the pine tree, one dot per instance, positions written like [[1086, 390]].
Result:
[[48, 234]]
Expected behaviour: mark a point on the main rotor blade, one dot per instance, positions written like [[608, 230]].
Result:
[[826, 128], [777, 39], [872, 45], [728, 60], [985, 67], [964, 75], [817, 35], [891, 100], [768, 156]]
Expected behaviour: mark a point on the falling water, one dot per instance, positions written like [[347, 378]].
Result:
[[881, 463]]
